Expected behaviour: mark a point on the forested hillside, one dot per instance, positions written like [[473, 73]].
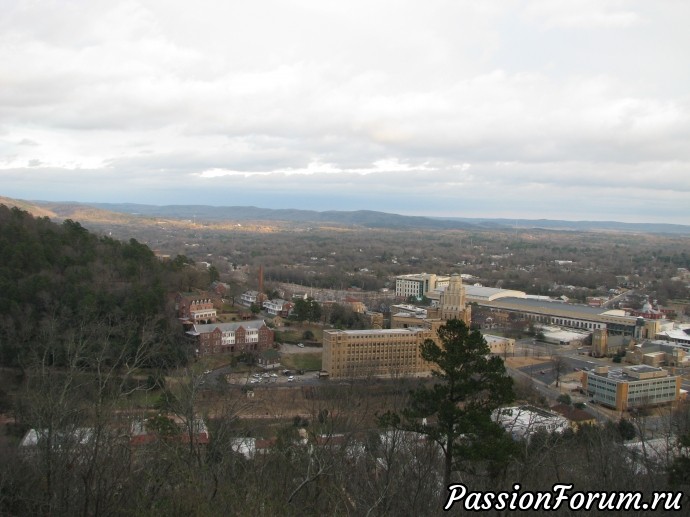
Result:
[[62, 286]]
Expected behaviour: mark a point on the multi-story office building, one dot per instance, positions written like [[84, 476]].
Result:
[[418, 285], [631, 387], [395, 351], [452, 305], [364, 353]]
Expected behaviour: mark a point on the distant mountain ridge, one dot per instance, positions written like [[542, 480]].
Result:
[[363, 218], [366, 218], [374, 219]]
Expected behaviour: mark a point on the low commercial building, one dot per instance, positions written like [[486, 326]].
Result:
[[521, 422], [580, 317], [558, 336], [631, 387], [576, 417], [679, 335], [658, 353], [500, 345]]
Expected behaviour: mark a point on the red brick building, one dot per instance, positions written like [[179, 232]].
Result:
[[196, 307], [231, 338]]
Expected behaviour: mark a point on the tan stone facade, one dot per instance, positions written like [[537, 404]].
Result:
[[395, 351], [631, 387], [365, 353], [452, 305]]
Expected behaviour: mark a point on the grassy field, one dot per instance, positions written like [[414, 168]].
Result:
[[295, 333], [306, 361]]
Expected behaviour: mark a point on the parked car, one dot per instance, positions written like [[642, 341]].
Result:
[[301, 345], [291, 378]]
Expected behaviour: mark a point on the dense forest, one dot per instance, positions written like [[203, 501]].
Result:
[[62, 285]]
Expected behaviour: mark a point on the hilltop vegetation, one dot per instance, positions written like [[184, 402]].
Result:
[[62, 284]]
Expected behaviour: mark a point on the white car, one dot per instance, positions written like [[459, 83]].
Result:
[[301, 345], [291, 378]]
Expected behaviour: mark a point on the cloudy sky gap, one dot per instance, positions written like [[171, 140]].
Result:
[[575, 109]]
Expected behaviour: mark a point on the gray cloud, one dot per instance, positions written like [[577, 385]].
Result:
[[444, 107]]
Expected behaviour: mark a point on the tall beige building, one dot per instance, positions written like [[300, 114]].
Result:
[[364, 353], [452, 305], [394, 351], [452, 302]]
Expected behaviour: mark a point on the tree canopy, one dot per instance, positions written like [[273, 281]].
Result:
[[456, 411], [60, 284]]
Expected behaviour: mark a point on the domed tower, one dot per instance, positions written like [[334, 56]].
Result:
[[452, 301]]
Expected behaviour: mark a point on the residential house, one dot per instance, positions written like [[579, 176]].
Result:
[[576, 417], [249, 298], [278, 307], [168, 428]]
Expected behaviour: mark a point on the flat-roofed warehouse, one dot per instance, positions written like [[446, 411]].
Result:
[[548, 312]]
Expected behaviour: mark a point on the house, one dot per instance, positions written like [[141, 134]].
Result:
[[234, 338], [249, 298], [220, 288], [576, 417], [269, 359], [246, 446], [278, 307], [74, 443], [169, 428], [355, 304]]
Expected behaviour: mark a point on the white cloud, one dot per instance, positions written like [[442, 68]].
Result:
[[582, 14], [319, 168]]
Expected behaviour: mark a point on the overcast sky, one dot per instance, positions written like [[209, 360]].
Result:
[[562, 109]]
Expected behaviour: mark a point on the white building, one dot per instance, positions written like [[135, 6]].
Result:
[[500, 345], [276, 307], [418, 285], [521, 422], [249, 297]]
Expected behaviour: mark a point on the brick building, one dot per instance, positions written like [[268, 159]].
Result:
[[231, 338], [196, 307]]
